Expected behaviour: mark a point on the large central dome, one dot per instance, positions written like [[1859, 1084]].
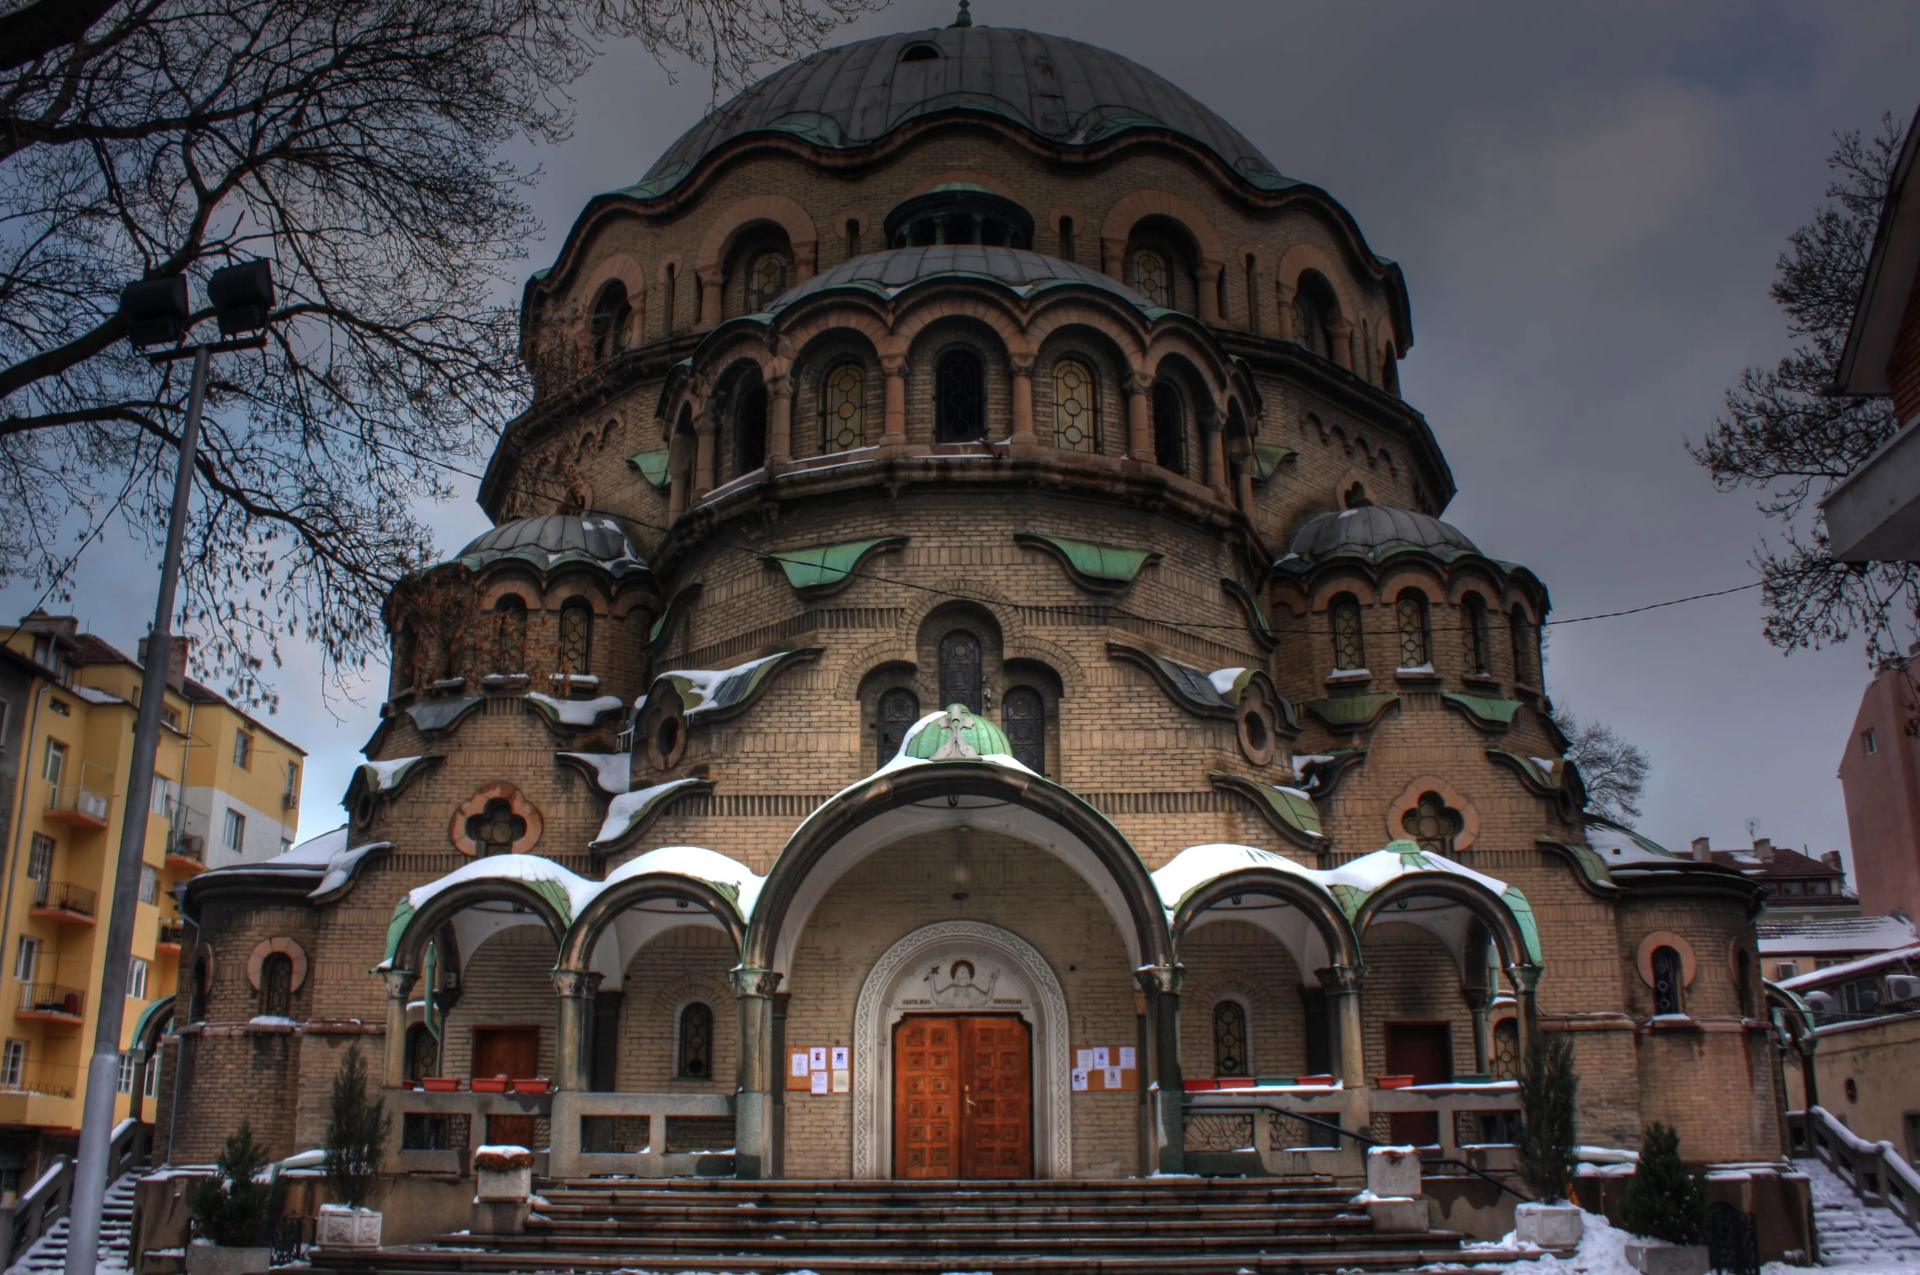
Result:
[[1062, 89]]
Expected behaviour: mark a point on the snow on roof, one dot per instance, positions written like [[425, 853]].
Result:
[[316, 849], [627, 808], [1197, 865], [382, 775], [1371, 871], [577, 712], [708, 688], [714, 868], [328, 853], [1852, 969], [1835, 934], [612, 771], [1620, 847], [529, 868], [94, 695]]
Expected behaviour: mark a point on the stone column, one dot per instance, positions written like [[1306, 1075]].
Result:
[[1342, 984], [573, 1051], [1023, 435], [1217, 477], [709, 277], [1341, 330], [1210, 272], [1162, 984], [676, 492], [1283, 323], [1524, 978], [895, 421], [1479, 1001], [702, 454], [1113, 258], [1140, 419], [780, 422], [1243, 483], [753, 989], [805, 253], [399, 991]]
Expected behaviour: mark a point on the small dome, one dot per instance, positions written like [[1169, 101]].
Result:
[[1015, 267], [1375, 531], [958, 734], [548, 539]]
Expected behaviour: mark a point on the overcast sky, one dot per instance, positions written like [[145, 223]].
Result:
[[1587, 201]]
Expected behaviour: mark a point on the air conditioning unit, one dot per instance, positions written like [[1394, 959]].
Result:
[[1903, 987]]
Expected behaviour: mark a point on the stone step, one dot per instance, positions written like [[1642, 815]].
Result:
[[917, 1231], [957, 1212], [643, 1247]]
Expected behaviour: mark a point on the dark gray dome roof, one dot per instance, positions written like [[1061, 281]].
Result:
[[1375, 531], [1062, 89], [1015, 267], [546, 540]]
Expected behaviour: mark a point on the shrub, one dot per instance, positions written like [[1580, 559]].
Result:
[[356, 1134], [1664, 1202], [233, 1207], [1548, 1087]]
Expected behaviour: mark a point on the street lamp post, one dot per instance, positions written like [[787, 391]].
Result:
[[156, 312]]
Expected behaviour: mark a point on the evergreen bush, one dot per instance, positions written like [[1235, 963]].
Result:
[[356, 1134], [233, 1207], [1548, 1087], [1664, 1202]]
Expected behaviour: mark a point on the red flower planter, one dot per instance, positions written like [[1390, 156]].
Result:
[[1322, 1079], [1393, 1082], [440, 1084], [1197, 1086], [532, 1084], [490, 1084]]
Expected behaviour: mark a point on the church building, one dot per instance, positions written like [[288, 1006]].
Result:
[[968, 680]]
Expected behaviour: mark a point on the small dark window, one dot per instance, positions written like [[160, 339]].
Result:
[[899, 710], [611, 315], [766, 280], [1743, 979], [423, 1052], [1667, 976], [1066, 239], [1475, 631], [853, 238], [960, 398], [1169, 428], [960, 670], [1411, 613], [1349, 646], [496, 828], [202, 990], [696, 1042], [920, 53], [1024, 718], [1526, 650], [750, 428], [510, 635], [1872, 742], [1313, 311], [1506, 1050], [276, 985], [1432, 823], [1230, 1039], [576, 637]]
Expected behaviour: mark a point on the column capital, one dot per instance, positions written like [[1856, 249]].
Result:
[[1479, 999], [1524, 976], [1161, 980], [751, 982], [577, 984], [1343, 979], [399, 982]]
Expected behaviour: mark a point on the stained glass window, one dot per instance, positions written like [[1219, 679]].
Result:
[[960, 398], [1349, 647], [844, 407], [576, 637], [899, 710], [510, 635], [423, 1052], [960, 670], [1411, 612], [276, 985], [1476, 633], [1169, 429], [766, 280], [1151, 277], [1667, 977], [696, 1042], [1024, 718], [1506, 1050], [1432, 824], [1073, 410], [496, 828], [1230, 1039]]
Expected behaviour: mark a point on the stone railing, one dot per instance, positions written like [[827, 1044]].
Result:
[[642, 1135], [437, 1132], [1263, 1120], [1876, 1171]]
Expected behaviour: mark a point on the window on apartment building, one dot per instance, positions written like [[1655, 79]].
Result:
[[40, 863], [54, 768], [137, 977], [165, 796], [243, 750], [170, 717], [150, 1085], [1872, 741], [1785, 969], [13, 1065], [149, 884], [26, 958], [293, 782], [127, 1069], [236, 831]]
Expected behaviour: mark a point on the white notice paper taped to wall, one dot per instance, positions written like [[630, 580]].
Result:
[[1080, 1075], [1110, 1077], [819, 1082], [840, 1062], [1083, 1058], [1100, 1058], [1126, 1058], [800, 1064], [817, 1058]]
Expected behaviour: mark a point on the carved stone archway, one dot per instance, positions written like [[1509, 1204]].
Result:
[[1026, 986]]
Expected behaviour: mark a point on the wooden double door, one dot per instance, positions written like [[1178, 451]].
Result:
[[962, 1096]]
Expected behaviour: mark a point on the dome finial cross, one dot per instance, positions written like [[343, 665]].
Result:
[[963, 19]]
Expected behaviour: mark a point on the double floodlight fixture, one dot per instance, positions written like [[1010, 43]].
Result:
[[158, 312]]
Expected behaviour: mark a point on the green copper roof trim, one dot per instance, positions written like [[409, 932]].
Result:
[[397, 926], [820, 569], [1290, 811], [1491, 713], [1268, 457], [1352, 712], [733, 691], [664, 795], [1256, 619], [1190, 688], [1522, 910], [675, 608], [1542, 780], [153, 1010], [1594, 875], [552, 713], [1103, 568], [961, 735], [652, 466]]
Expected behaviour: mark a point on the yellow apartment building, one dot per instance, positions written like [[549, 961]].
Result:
[[226, 790]]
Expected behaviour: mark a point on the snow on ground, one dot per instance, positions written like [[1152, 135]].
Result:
[[1852, 1235]]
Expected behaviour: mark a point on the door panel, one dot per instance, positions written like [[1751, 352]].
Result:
[[506, 1051], [1425, 1052], [963, 1097]]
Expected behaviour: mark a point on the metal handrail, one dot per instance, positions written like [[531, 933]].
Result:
[[1372, 1141]]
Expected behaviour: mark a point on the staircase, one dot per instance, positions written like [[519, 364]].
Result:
[[49, 1252], [1853, 1232], [1162, 1226]]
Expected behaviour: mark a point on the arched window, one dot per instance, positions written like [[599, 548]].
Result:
[[496, 828], [1410, 611], [576, 638], [1668, 975], [1023, 716], [696, 1042], [202, 989], [1349, 646], [1230, 1039], [510, 635], [1150, 275], [612, 312], [766, 280], [1506, 1050], [1743, 979], [1074, 418], [1313, 311], [276, 985], [1066, 239], [960, 398], [1478, 641], [843, 408], [1389, 372], [1169, 428], [1432, 824], [423, 1052], [750, 428], [1525, 652], [899, 710], [960, 670]]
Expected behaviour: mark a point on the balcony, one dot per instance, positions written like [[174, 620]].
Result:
[[42, 1079], [186, 852], [65, 902], [171, 935], [51, 1003], [81, 805]]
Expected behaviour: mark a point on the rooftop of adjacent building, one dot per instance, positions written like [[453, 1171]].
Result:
[[1789, 872], [1852, 935]]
